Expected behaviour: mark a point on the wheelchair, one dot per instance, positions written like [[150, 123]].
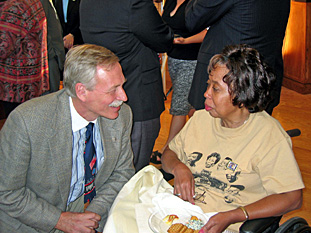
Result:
[[272, 224]]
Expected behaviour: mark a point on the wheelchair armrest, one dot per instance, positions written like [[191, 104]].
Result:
[[260, 225]]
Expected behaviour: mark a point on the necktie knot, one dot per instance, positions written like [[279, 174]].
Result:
[[89, 130]]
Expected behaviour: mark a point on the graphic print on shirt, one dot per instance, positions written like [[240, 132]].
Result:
[[218, 175]]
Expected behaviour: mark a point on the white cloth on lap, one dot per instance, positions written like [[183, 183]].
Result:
[[140, 189], [145, 193]]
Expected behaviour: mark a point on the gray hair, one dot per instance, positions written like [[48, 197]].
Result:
[[81, 65]]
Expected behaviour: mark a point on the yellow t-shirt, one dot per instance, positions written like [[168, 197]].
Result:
[[234, 167]]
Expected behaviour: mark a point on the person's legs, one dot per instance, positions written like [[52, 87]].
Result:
[[177, 123], [181, 73], [55, 76], [144, 134]]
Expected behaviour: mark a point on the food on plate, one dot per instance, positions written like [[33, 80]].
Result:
[[191, 231], [177, 228], [195, 223], [169, 219], [191, 226], [180, 228]]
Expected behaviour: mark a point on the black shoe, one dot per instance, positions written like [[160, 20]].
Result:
[[154, 157]]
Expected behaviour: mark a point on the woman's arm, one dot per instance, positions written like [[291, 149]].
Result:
[[273, 205], [197, 38], [183, 178]]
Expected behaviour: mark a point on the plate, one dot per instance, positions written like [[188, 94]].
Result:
[[157, 225]]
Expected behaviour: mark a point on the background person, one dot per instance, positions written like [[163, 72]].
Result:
[[234, 127], [181, 65], [260, 24], [42, 179], [135, 32], [56, 50], [68, 14], [24, 71]]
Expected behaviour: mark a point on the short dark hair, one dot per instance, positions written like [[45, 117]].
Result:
[[250, 80]]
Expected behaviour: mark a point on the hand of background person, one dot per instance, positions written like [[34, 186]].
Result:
[[68, 41], [72, 222], [197, 38], [179, 40]]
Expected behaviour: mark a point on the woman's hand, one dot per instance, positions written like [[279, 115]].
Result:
[[179, 40], [217, 223], [183, 182], [273, 205], [197, 38], [222, 220], [183, 178]]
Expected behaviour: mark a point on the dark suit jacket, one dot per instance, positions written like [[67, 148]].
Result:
[[36, 161], [56, 50], [135, 32], [259, 23], [73, 19]]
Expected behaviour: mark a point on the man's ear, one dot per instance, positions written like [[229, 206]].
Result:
[[81, 91]]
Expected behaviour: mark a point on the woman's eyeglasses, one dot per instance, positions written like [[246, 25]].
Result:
[[199, 197]]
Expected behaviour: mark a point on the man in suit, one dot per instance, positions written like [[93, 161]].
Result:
[[68, 14], [42, 144], [260, 24], [134, 30], [56, 50]]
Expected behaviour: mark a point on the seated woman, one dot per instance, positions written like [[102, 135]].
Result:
[[247, 169]]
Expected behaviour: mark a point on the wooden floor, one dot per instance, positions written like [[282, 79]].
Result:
[[294, 111]]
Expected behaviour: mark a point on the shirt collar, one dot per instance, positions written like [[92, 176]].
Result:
[[77, 121]]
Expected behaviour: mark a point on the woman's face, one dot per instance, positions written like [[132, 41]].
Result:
[[218, 101]]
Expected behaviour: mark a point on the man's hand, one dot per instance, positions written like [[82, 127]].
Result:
[[72, 222], [68, 41]]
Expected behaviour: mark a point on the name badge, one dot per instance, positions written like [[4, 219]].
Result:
[[232, 166]]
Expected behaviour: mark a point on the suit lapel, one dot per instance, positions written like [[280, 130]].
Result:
[[59, 9], [61, 145], [110, 135], [71, 5]]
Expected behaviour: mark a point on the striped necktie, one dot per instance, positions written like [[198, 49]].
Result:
[[90, 164]]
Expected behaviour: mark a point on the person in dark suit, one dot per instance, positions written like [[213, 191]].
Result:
[[42, 144], [134, 30], [68, 14], [260, 24], [56, 50]]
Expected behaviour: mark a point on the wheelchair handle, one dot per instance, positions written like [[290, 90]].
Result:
[[293, 132]]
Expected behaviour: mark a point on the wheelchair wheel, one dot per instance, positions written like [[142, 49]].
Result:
[[294, 225]]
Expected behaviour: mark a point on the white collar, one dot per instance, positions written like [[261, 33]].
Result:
[[77, 121]]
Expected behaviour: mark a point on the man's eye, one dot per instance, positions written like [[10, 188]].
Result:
[[112, 91]]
